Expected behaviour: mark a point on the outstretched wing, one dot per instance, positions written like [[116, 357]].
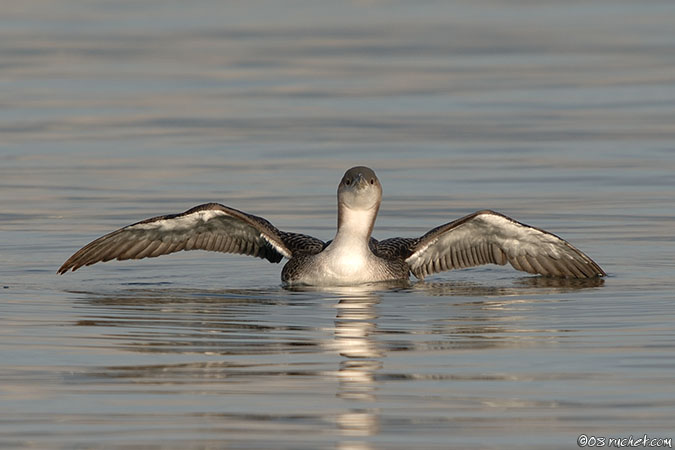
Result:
[[489, 237], [210, 226]]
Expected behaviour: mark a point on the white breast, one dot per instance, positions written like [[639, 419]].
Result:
[[343, 261]]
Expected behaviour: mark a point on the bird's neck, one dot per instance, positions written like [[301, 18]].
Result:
[[355, 226]]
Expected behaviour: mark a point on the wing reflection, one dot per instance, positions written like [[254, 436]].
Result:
[[227, 322], [511, 287]]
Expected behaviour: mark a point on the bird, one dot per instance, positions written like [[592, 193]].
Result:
[[353, 256]]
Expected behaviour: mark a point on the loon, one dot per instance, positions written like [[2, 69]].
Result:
[[353, 256]]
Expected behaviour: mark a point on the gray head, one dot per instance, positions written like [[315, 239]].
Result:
[[360, 189]]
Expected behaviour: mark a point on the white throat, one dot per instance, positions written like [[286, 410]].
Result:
[[355, 225]]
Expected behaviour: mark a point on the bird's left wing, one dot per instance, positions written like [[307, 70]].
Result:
[[211, 226], [393, 248], [489, 237]]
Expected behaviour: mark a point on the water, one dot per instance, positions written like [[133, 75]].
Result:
[[559, 114]]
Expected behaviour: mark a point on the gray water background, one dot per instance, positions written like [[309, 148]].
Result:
[[560, 114]]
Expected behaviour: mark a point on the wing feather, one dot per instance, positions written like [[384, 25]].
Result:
[[301, 243], [393, 248], [486, 237]]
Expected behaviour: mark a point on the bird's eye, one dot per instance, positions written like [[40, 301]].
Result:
[[348, 181], [372, 181]]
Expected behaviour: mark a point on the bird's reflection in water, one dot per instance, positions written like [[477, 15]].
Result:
[[353, 445], [355, 340], [246, 335]]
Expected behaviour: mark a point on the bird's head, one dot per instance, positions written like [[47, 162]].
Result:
[[360, 189]]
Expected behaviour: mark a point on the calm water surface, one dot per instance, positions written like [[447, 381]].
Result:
[[559, 114]]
